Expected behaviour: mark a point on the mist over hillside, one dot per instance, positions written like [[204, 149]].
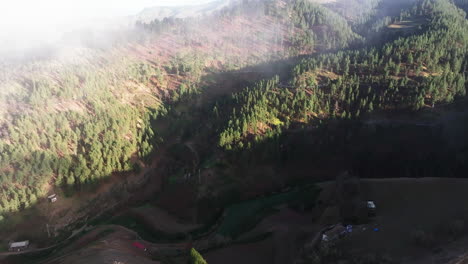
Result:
[[196, 10], [237, 131], [161, 12]]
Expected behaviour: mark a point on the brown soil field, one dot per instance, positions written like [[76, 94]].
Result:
[[106, 244], [404, 206]]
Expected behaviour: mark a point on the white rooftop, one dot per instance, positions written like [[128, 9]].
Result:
[[20, 244], [371, 204]]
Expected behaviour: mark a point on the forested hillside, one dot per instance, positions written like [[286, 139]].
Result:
[[73, 129], [70, 122], [68, 125], [213, 132], [411, 73], [276, 29]]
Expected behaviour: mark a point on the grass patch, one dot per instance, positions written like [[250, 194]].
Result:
[[275, 121], [243, 216]]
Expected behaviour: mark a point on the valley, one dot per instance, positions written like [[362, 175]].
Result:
[[226, 133]]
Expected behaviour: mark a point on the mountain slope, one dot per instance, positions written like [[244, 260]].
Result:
[[179, 97], [70, 122]]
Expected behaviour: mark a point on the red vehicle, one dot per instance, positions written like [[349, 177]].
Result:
[[139, 245]]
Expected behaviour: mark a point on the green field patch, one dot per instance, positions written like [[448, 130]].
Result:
[[243, 216]]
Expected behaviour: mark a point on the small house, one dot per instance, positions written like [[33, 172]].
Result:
[[52, 198], [371, 208], [18, 246], [333, 233]]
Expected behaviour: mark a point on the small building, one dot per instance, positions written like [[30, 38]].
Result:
[[333, 233], [371, 208], [52, 198], [18, 246]]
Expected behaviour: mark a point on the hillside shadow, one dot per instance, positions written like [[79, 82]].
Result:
[[386, 149], [298, 155]]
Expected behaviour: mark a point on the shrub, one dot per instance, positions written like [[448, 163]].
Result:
[[196, 258]]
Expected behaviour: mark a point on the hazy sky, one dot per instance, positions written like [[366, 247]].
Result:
[[34, 19], [41, 11]]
